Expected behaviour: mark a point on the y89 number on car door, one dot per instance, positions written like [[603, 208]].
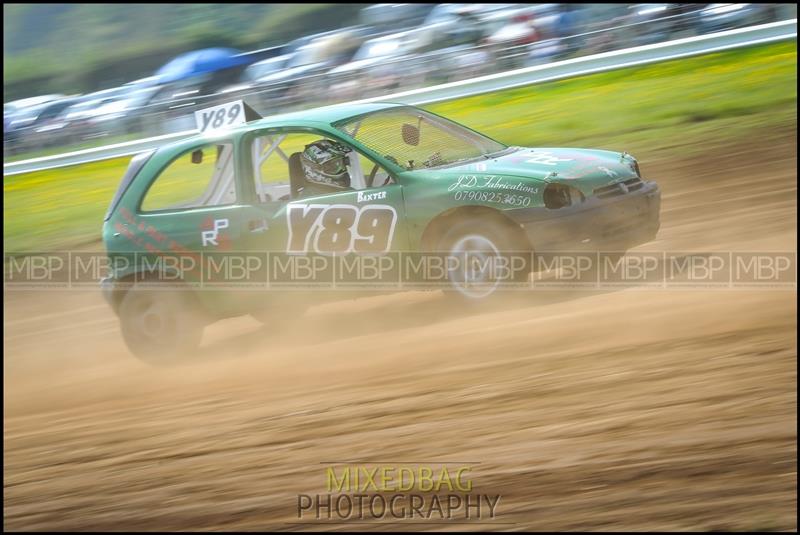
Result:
[[340, 228]]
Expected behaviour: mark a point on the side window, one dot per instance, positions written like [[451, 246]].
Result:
[[375, 175], [297, 165], [271, 155], [203, 176]]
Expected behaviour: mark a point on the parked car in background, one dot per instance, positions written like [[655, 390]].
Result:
[[253, 77], [394, 17], [301, 78], [718, 17], [510, 27], [264, 68], [512, 32], [451, 13], [655, 23], [603, 27], [406, 58], [15, 106], [23, 124], [71, 125], [122, 115]]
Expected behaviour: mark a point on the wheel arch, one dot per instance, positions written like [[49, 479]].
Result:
[[125, 283], [438, 226]]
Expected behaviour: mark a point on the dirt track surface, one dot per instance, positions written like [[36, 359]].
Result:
[[606, 410]]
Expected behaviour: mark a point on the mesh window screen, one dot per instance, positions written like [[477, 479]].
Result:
[[439, 142]]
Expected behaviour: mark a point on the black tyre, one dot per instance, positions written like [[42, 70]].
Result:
[[161, 326], [480, 243]]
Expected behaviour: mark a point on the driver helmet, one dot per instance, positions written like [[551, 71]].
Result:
[[325, 162]]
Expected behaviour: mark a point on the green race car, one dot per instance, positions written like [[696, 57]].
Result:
[[348, 181]]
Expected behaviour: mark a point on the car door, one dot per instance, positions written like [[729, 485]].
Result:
[[351, 224], [370, 221], [361, 219]]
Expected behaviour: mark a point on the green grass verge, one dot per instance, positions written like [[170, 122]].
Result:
[[681, 106]]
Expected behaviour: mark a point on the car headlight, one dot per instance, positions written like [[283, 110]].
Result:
[[632, 162], [560, 196]]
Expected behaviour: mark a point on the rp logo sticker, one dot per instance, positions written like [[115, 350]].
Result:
[[211, 236]]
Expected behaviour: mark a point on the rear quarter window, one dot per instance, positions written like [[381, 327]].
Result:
[[137, 162]]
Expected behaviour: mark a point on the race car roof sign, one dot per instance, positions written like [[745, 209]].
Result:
[[224, 116]]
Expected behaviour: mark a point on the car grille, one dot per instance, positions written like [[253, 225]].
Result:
[[619, 188]]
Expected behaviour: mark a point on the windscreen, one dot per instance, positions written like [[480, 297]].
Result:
[[415, 139]]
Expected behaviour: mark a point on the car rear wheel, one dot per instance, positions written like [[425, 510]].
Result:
[[160, 326]]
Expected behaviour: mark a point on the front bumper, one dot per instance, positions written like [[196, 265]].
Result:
[[613, 224]]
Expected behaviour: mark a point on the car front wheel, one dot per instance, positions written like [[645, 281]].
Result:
[[486, 257]]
